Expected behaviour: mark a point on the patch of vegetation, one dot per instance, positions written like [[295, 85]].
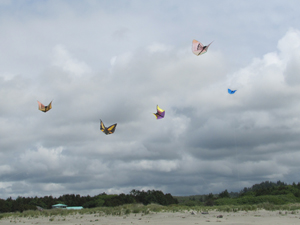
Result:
[[267, 195], [277, 193], [144, 197]]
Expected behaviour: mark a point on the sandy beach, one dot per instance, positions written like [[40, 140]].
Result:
[[262, 217]]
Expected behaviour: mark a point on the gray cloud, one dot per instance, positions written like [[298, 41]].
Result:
[[96, 61]]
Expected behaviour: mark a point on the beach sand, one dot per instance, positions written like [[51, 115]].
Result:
[[261, 217]]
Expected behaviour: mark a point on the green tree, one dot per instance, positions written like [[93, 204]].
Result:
[[224, 194]]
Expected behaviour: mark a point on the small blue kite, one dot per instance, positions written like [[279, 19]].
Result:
[[230, 91]]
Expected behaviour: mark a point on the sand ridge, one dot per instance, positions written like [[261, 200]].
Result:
[[261, 217]]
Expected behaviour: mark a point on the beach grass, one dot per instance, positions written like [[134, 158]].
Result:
[[147, 209]]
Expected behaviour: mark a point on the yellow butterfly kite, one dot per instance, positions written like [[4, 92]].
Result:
[[107, 130]]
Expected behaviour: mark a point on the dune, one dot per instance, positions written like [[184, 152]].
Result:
[[261, 217]]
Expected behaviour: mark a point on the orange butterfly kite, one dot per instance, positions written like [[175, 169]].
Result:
[[45, 108]]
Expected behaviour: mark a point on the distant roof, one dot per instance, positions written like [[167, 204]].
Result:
[[59, 205]]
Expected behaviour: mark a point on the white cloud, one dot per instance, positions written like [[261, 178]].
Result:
[[63, 59], [158, 47]]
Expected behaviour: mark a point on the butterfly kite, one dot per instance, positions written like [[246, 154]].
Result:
[[231, 92], [198, 48], [107, 130], [160, 113], [45, 108]]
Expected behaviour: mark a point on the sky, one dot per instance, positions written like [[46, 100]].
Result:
[[116, 61]]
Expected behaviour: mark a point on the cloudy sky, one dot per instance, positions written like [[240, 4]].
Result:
[[117, 60]]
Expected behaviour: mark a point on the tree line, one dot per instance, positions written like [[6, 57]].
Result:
[[273, 192], [30, 203]]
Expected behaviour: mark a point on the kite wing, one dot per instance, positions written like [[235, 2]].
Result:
[[109, 130], [160, 113], [197, 47], [45, 108], [102, 127], [205, 48], [231, 92], [49, 106], [41, 106]]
